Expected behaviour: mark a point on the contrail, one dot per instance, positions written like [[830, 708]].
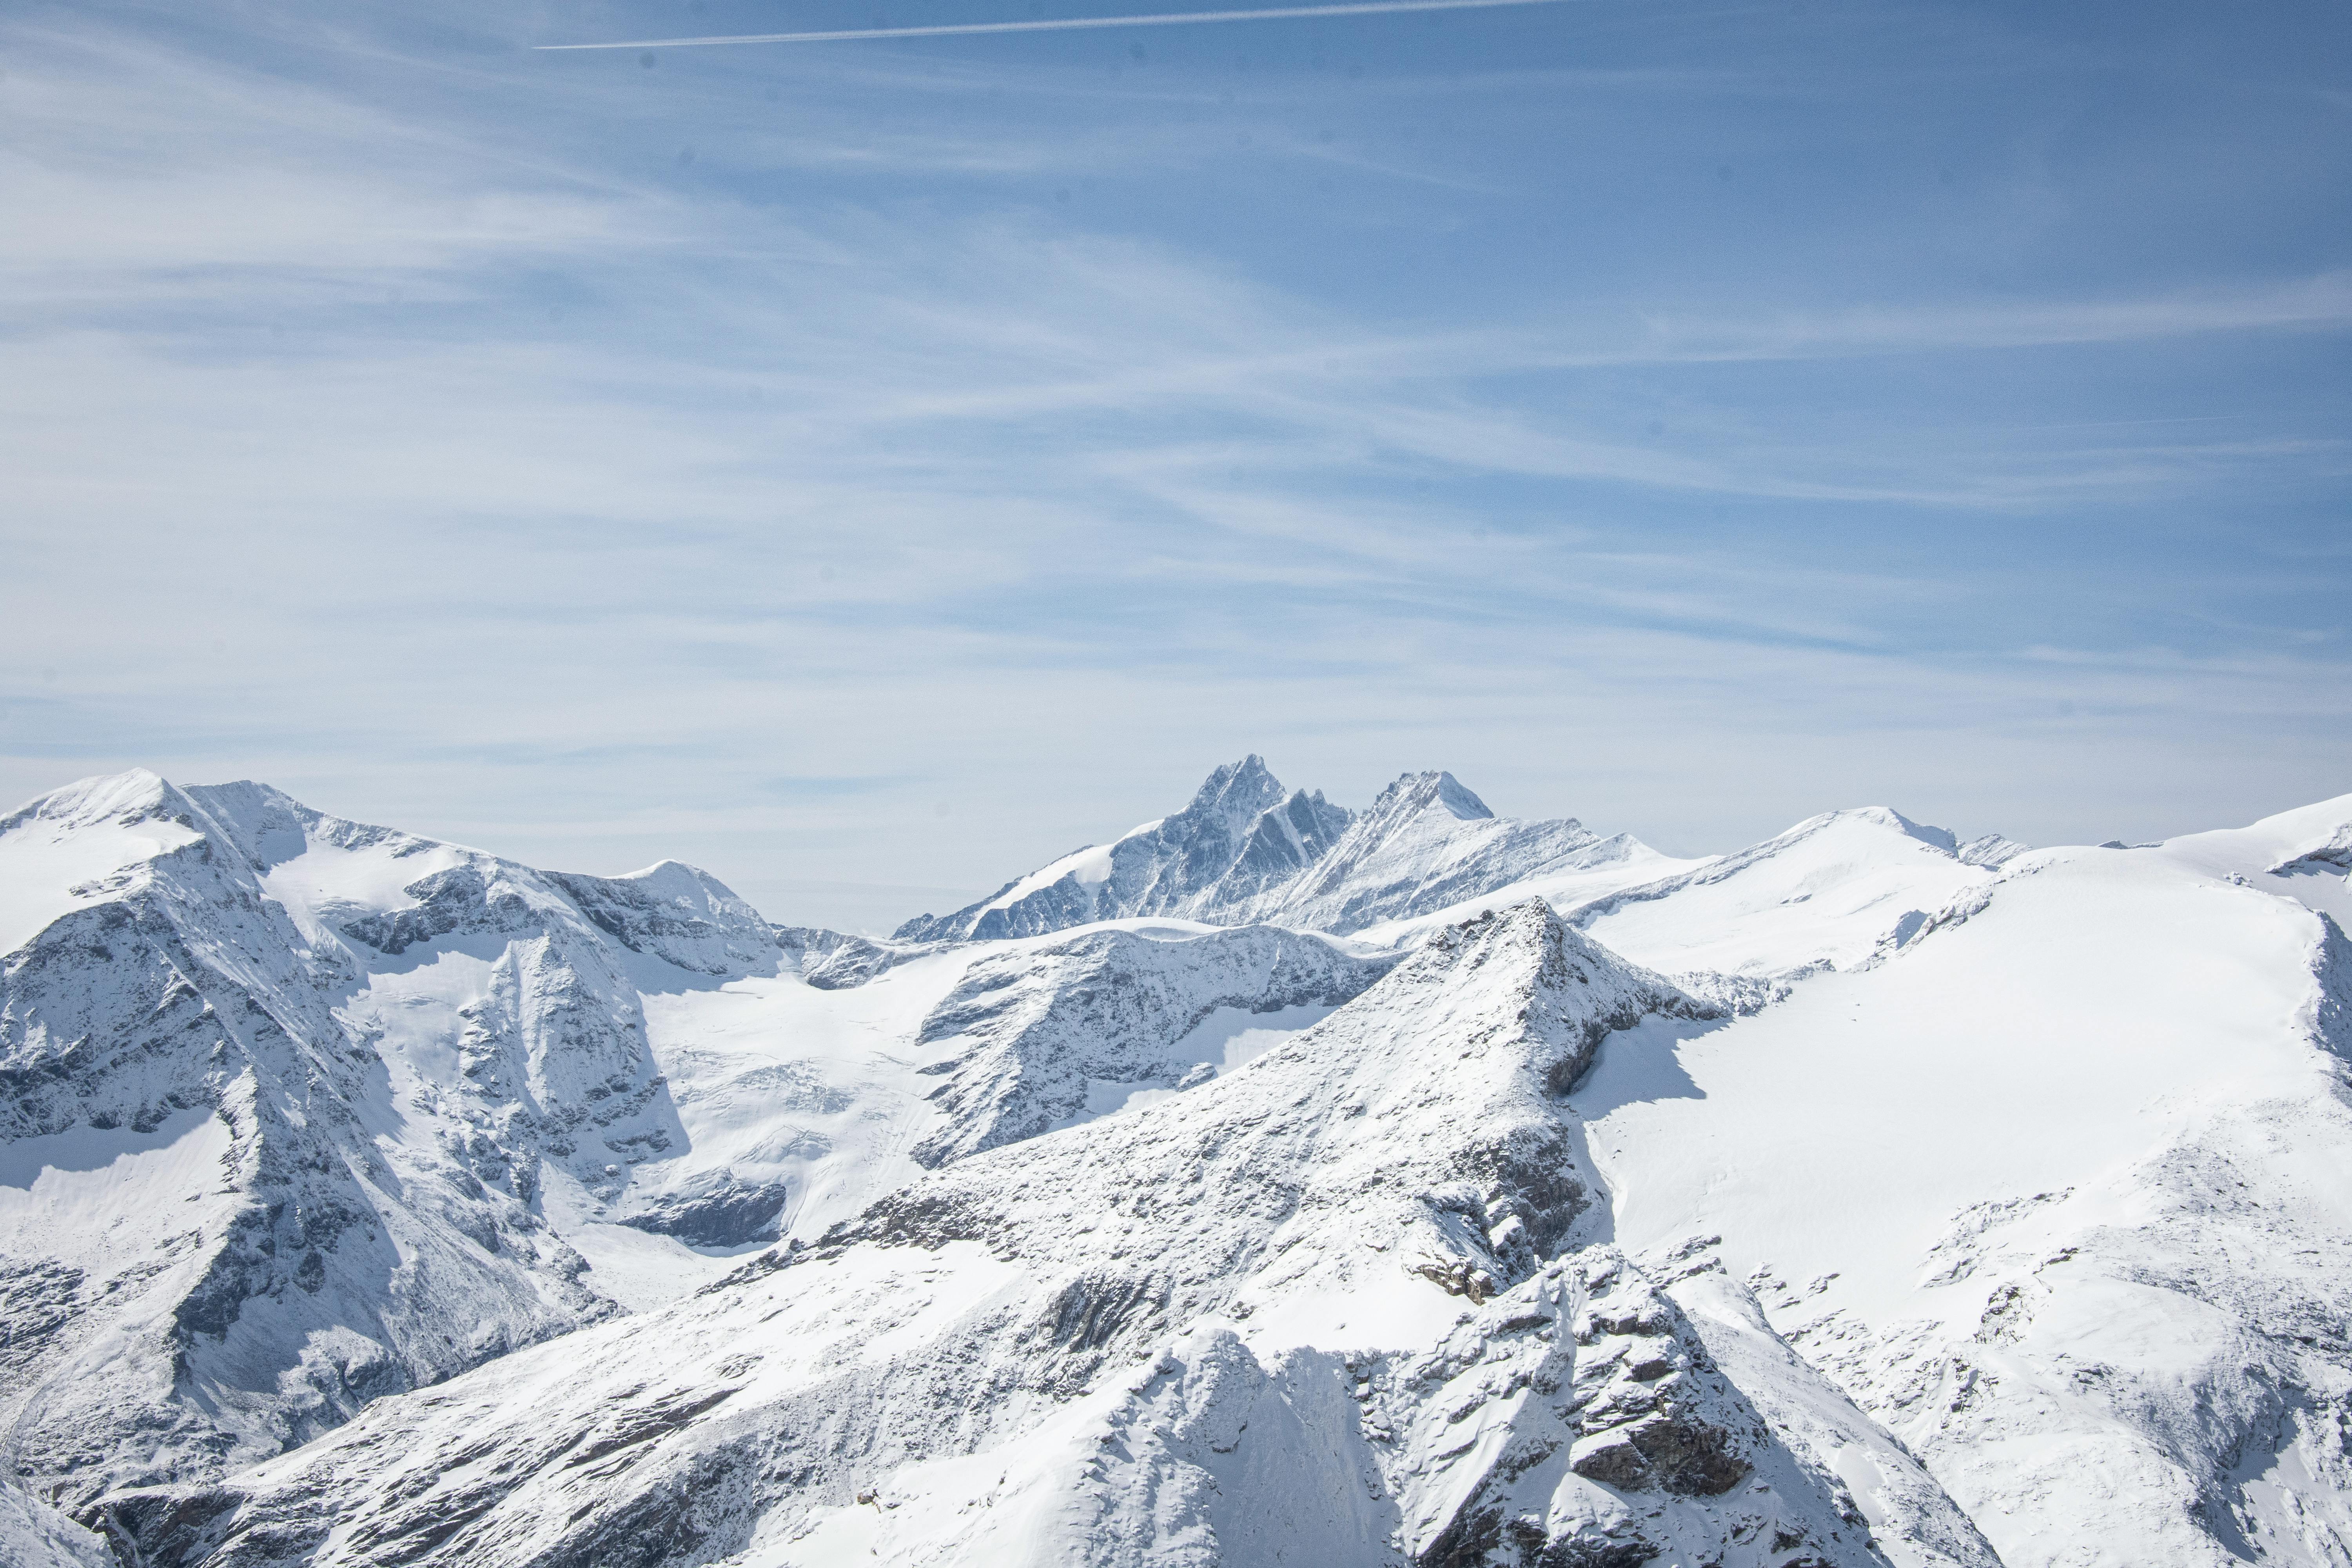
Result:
[[1065, 24]]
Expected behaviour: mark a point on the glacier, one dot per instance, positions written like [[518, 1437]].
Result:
[[1281, 1183]]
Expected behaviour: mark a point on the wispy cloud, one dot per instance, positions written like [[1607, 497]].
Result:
[[430, 432]]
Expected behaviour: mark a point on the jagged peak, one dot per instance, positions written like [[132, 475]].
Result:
[[1241, 789], [1557, 981], [1528, 932], [1247, 846]]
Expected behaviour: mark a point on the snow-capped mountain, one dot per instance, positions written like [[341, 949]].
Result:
[[1248, 850], [1446, 1195], [1132, 1342], [290, 1101], [302, 1111]]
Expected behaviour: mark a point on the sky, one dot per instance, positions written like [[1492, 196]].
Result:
[[868, 470]]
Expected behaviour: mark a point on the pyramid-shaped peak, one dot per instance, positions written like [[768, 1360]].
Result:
[[1456, 797], [1250, 774], [1239, 790], [1530, 930], [1416, 793]]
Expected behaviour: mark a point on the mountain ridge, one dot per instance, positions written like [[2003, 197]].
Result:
[[1977, 1204], [987, 1267], [1248, 850]]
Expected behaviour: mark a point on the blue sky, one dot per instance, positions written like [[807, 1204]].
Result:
[[869, 469]]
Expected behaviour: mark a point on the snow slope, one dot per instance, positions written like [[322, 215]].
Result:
[[292, 1104], [1829, 893], [35, 1535], [205, 1253], [2059, 1192]]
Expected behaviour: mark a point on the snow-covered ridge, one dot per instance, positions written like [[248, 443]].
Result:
[[466, 1104], [261, 1169], [1244, 1325], [1863, 1196], [1834, 892], [1248, 850], [302, 1111], [1035, 1035]]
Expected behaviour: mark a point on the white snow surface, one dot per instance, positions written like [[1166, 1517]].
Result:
[[2059, 1195], [1830, 892], [1863, 1196], [35, 1535], [69, 850]]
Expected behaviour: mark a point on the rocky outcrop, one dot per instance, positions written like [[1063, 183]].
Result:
[[1035, 1031]]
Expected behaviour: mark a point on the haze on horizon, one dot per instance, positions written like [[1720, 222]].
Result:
[[870, 470]]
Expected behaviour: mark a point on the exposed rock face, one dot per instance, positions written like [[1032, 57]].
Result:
[[832, 961], [1036, 1029], [1248, 850], [716, 1212]]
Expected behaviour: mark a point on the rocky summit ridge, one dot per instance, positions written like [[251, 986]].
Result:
[[1248, 850], [1281, 1185]]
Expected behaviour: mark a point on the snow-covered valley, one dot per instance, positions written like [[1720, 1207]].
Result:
[[1278, 1183]]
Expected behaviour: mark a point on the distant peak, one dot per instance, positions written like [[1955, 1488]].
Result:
[[1925, 833], [1247, 786], [1885, 816], [679, 882], [244, 799], [1456, 797], [1419, 791], [1251, 767], [1992, 850], [132, 794]]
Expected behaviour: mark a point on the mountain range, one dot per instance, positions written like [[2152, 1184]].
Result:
[[1248, 850], [1278, 1183]]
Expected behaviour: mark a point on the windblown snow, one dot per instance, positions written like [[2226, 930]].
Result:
[[1278, 1183]]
